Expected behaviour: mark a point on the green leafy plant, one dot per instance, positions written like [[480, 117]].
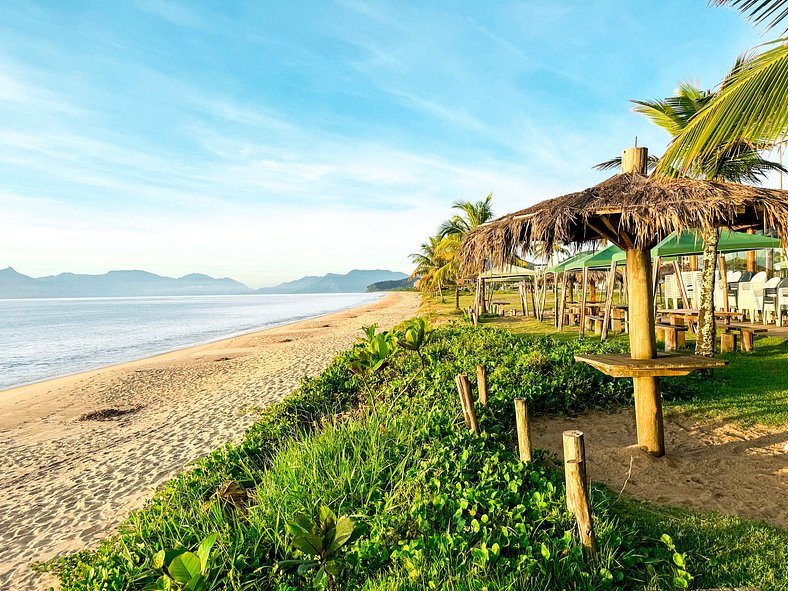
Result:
[[414, 336], [321, 538], [183, 569], [681, 578], [371, 355]]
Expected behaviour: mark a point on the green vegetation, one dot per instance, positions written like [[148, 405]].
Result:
[[426, 504]]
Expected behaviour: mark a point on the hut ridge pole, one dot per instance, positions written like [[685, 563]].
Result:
[[583, 302], [611, 283], [642, 339]]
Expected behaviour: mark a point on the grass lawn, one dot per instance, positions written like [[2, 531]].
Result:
[[753, 389]]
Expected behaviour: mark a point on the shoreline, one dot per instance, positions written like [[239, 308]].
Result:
[[86, 475], [3, 391]]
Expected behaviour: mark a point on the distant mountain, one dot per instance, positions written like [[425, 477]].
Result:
[[394, 285], [354, 282], [114, 283]]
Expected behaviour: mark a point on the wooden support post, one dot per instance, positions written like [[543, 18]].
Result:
[[577, 497], [563, 303], [523, 302], [555, 298], [681, 339], [746, 340], [468, 411], [751, 260], [481, 381], [583, 302], [523, 429], [670, 339], [643, 345], [533, 296], [611, 283], [727, 342], [724, 282], [482, 299]]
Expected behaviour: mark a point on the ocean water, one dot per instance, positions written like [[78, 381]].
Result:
[[47, 338]]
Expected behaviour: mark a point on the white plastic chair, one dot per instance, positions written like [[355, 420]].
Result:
[[768, 298], [747, 290]]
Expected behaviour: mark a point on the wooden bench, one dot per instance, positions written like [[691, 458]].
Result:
[[597, 320], [747, 337], [671, 335]]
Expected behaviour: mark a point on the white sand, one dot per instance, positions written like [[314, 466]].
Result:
[[65, 483], [708, 466]]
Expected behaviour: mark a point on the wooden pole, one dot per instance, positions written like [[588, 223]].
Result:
[[482, 300], [643, 345], [724, 282], [533, 296], [751, 256], [682, 288], [523, 303], [563, 303], [577, 497], [481, 381], [611, 283], [642, 340], [555, 298], [469, 412], [523, 429], [583, 302]]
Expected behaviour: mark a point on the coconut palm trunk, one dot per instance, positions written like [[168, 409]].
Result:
[[707, 328], [457, 296]]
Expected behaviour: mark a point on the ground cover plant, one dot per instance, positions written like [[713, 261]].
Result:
[[422, 502]]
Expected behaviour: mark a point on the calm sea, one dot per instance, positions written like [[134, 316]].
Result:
[[47, 338]]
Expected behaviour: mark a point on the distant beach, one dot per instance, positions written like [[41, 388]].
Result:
[[67, 482]]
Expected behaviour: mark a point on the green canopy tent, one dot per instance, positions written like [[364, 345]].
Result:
[[691, 243], [512, 274], [573, 263]]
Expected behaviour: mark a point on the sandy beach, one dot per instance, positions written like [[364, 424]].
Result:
[[66, 482]]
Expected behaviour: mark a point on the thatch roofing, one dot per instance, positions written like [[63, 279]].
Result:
[[629, 210]]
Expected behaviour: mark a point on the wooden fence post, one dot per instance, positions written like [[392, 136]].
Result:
[[481, 380], [523, 429], [577, 500], [468, 411]]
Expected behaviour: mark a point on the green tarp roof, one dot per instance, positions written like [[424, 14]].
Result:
[[687, 243], [508, 272], [690, 242], [604, 257], [573, 262]]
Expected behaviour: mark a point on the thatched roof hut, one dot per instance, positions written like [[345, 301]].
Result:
[[634, 212], [629, 210]]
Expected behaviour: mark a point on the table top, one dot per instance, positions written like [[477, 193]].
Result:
[[694, 312], [666, 364]]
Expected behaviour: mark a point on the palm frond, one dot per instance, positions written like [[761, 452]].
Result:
[[771, 12], [753, 104]]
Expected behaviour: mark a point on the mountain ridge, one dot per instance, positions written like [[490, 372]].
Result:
[[136, 282]]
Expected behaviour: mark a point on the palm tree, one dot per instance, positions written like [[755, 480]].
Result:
[[428, 266], [458, 227], [738, 160], [752, 103]]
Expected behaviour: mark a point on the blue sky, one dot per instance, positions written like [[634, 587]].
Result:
[[269, 140]]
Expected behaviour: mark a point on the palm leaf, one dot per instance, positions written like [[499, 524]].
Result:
[[771, 12], [753, 104]]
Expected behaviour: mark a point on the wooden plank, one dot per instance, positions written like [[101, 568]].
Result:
[[623, 366]]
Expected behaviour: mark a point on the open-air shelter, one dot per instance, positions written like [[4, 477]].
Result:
[[635, 213]]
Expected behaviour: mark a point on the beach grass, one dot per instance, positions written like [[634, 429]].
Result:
[[440, 507], [752, 389]]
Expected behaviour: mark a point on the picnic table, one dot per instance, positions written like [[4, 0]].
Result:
[[665, 364]]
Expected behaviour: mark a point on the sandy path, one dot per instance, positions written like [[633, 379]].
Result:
[[65, 483], [709, 466]]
